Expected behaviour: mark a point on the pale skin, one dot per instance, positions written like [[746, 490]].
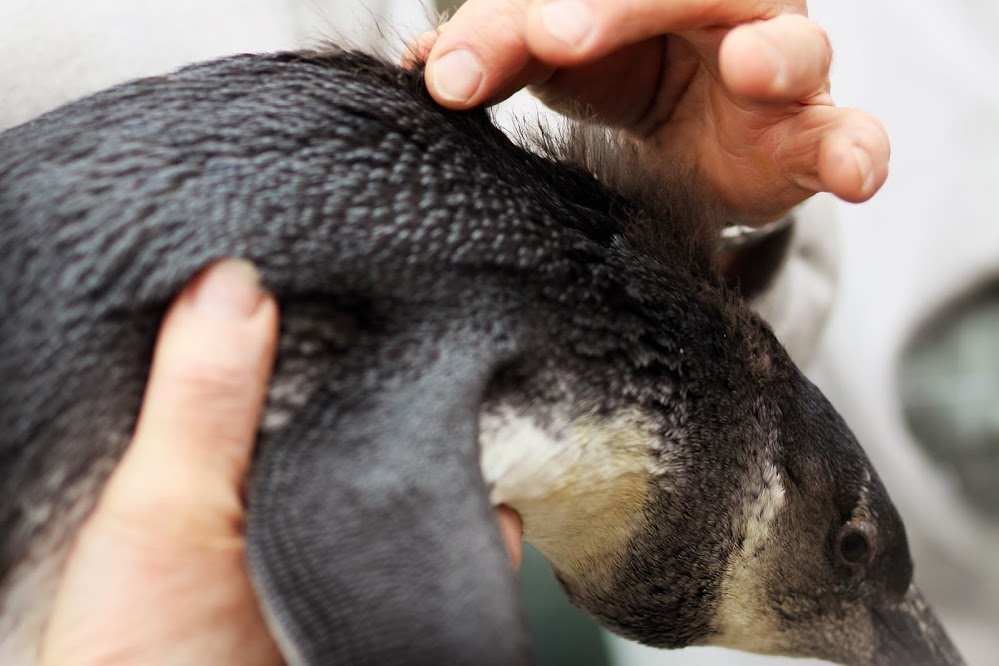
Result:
[[741, 89]]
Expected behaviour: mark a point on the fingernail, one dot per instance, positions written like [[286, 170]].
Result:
[[229, 289], [569, 21], [865, 167], [457, 75]]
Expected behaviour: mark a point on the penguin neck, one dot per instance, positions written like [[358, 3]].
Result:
[[578, 483]]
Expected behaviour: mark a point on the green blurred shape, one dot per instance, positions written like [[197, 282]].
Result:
[[562, 634], [949, 381]]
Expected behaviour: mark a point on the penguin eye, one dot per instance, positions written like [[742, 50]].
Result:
[[856, 544]]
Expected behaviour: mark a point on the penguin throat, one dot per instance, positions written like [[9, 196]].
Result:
[[578, 483]]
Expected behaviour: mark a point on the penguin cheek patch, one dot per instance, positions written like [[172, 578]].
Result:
[[856, 544]]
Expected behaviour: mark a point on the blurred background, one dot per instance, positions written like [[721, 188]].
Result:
[[911, 353]]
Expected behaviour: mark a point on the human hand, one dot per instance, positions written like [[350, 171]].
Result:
[[157, 575], [740, 89]]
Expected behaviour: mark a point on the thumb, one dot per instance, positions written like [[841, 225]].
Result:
[[195, 434]]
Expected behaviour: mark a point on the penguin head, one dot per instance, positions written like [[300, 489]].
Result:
[[821, 565], [776, 537]]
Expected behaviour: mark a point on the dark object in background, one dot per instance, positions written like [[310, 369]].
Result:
[[949, 388], [454, 309]]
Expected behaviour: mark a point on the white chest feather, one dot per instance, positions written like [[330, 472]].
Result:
[[579, 485]]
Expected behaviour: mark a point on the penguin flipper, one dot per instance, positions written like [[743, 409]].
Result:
[[371, 539]]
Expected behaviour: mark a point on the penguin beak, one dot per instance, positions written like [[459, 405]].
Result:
[[909, 633]]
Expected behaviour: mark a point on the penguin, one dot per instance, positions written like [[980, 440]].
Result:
[[465, 323]]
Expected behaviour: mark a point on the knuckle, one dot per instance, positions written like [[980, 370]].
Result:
[[210, 385], [165, 520]]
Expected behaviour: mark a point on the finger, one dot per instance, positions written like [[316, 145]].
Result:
[[512, 531], [619, 89], [195, 434], [480, 55], [842, 151], [568, 32], [781, 60], [418, 50]]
